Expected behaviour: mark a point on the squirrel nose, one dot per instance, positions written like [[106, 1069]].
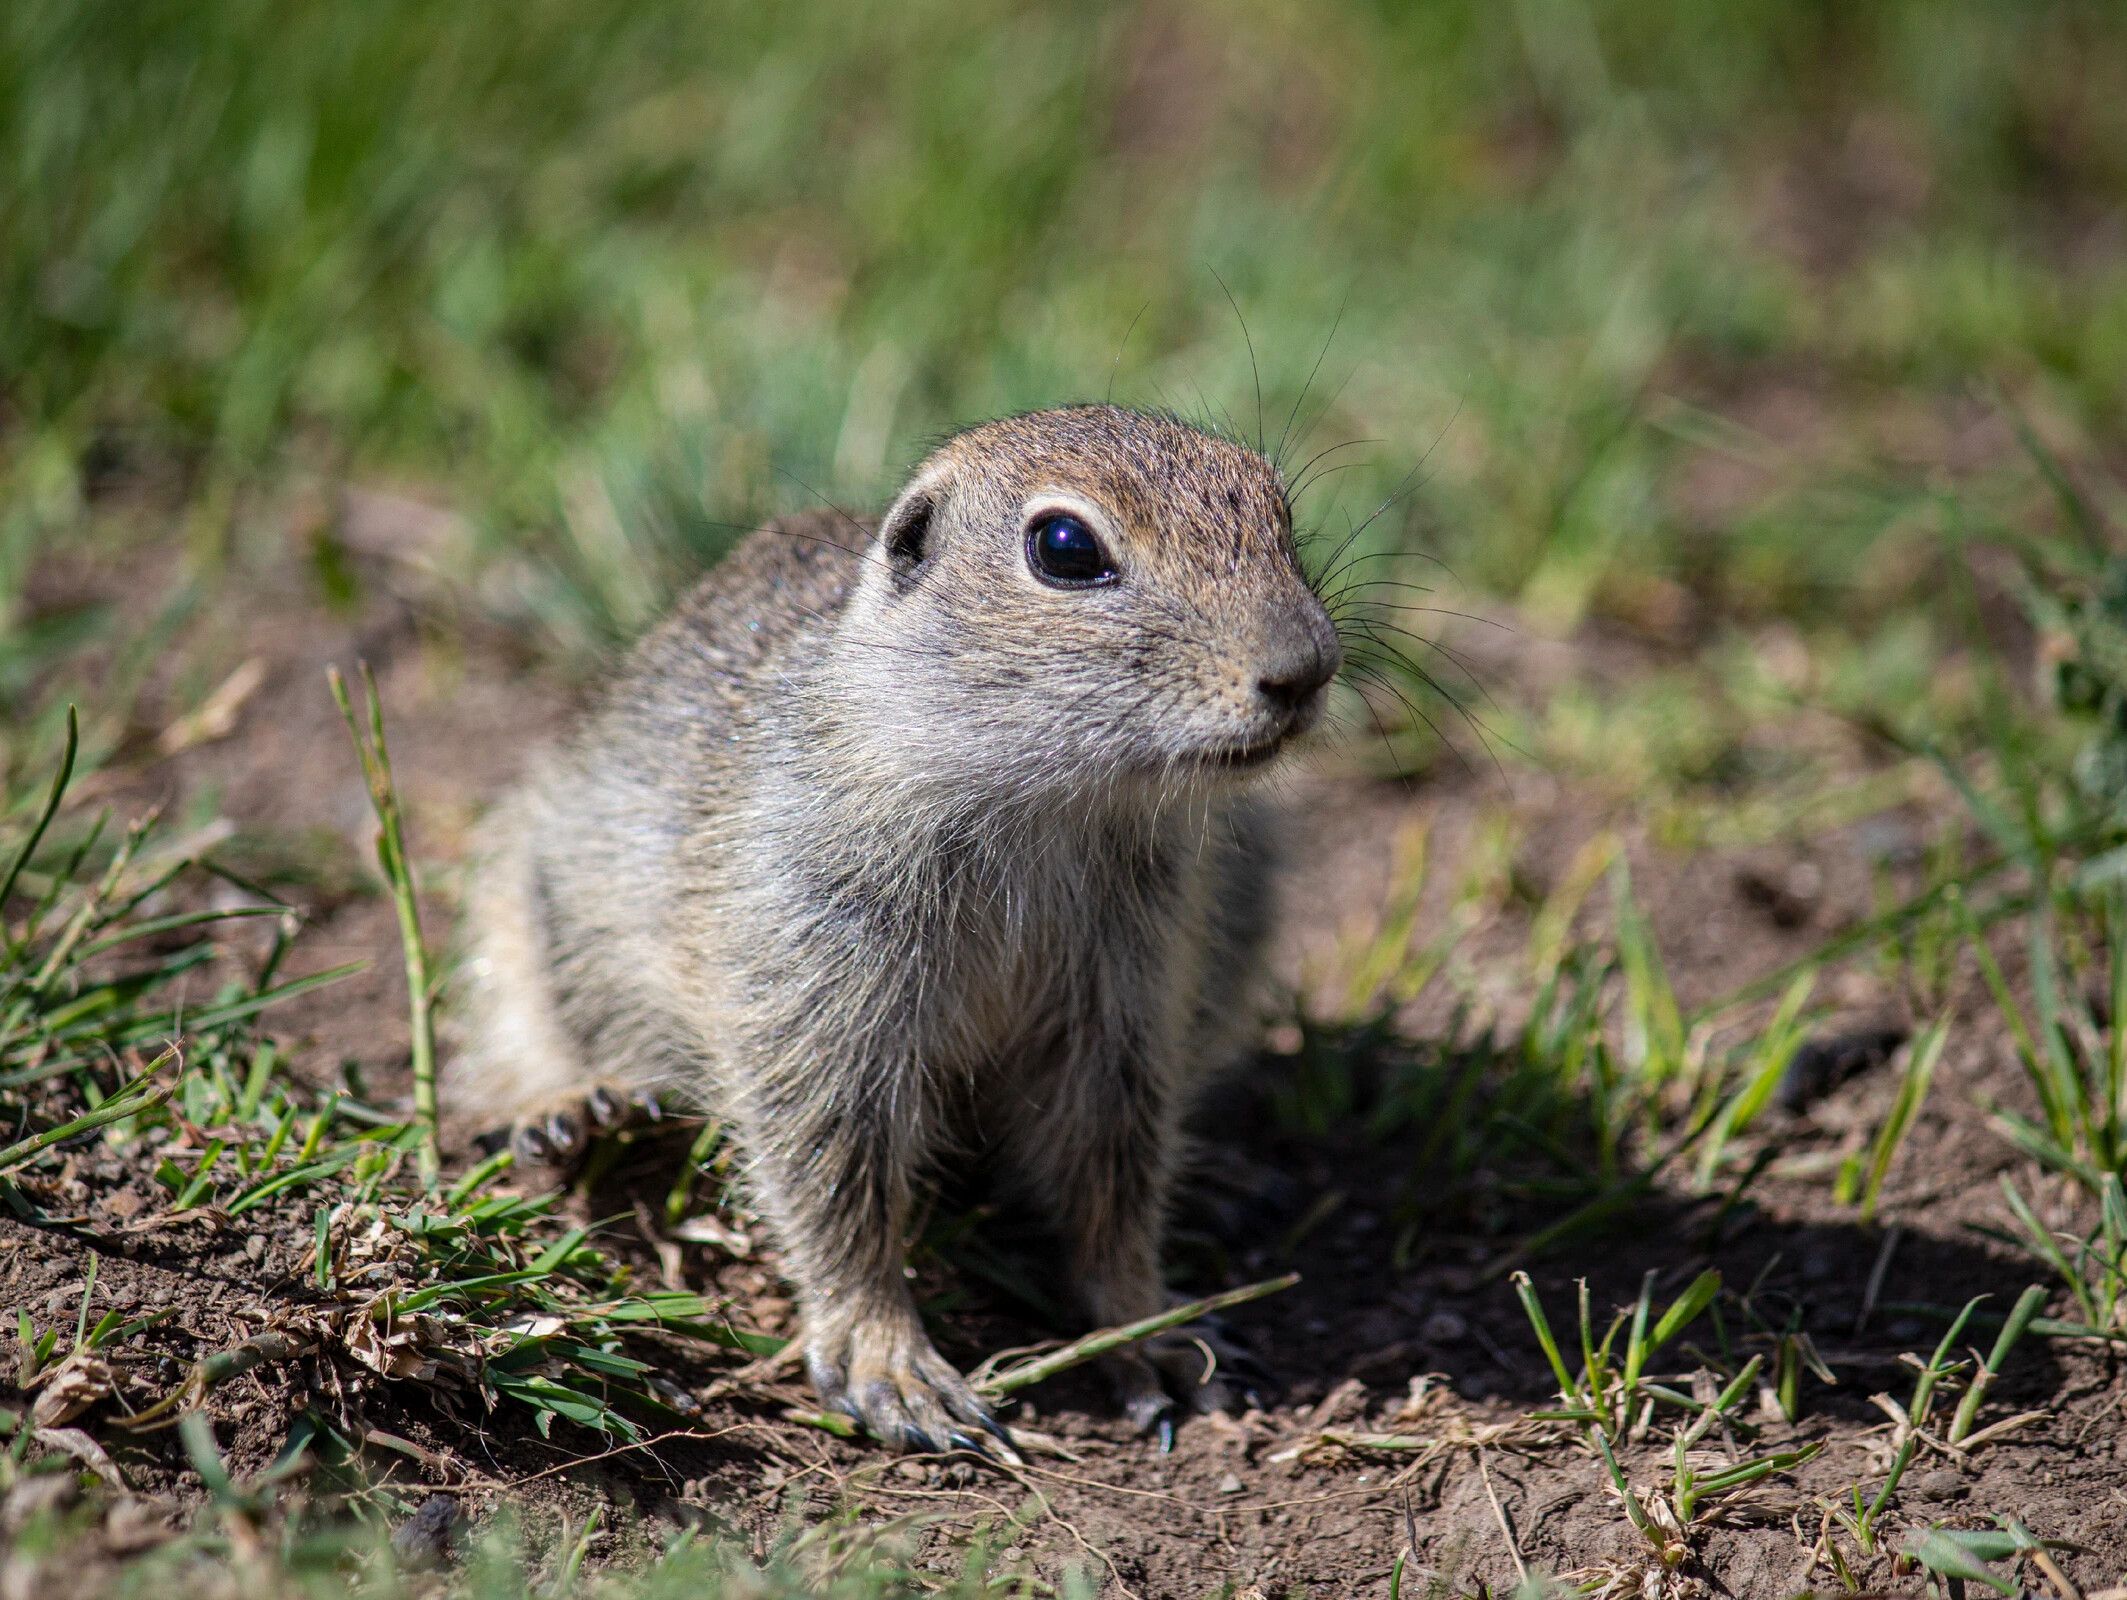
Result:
[[1300, 666]]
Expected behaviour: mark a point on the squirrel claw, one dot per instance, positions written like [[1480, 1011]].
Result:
[[529, 1145], [555, 1140], [1147, 1407], [1004, 1445], [605, 1109]]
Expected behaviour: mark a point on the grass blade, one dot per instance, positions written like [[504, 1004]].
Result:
[[115, 1109], [1654, 1027], [1912, 1093], [398, 873], [2041, 1243], [1686, 1306], [2028, 1306], [1568, 1391], [1086, 1349], [60, 780], [1762, 1077]]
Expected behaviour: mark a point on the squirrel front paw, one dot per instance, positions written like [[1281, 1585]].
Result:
[[885, 1374]]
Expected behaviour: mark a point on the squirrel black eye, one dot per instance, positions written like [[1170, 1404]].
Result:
[[1062, 550]]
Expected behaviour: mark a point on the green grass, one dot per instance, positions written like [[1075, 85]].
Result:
[[243, 1541], [78, 1018]]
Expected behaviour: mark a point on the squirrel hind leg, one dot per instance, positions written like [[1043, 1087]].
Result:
[[513, 1054]]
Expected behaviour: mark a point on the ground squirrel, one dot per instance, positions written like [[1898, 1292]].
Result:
[[900, 841]]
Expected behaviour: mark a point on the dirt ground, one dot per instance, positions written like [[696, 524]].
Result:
[[1259, 1504]]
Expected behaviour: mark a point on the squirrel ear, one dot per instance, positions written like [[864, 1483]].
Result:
[[906, 534]]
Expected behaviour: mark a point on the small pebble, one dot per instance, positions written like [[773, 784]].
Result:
[[46, 1494], [1941, 1484], [1012, 1552], [1444, 1327], [133, 1524], [423, 1541], [1229, 1484], [255, 1247]]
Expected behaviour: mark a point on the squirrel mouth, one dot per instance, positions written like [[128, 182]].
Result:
[[1242, 757]]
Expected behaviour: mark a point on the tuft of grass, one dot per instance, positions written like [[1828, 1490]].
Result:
[[254, 1541], [1612, 1391], [78, 1006], [1911, 1420], [1612, 1401], [498, 1297], [1861, 1517]]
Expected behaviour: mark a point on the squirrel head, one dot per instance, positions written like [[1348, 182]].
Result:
[[1086, 596]]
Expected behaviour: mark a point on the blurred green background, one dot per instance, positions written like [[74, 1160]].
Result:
[[1686, 315]]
